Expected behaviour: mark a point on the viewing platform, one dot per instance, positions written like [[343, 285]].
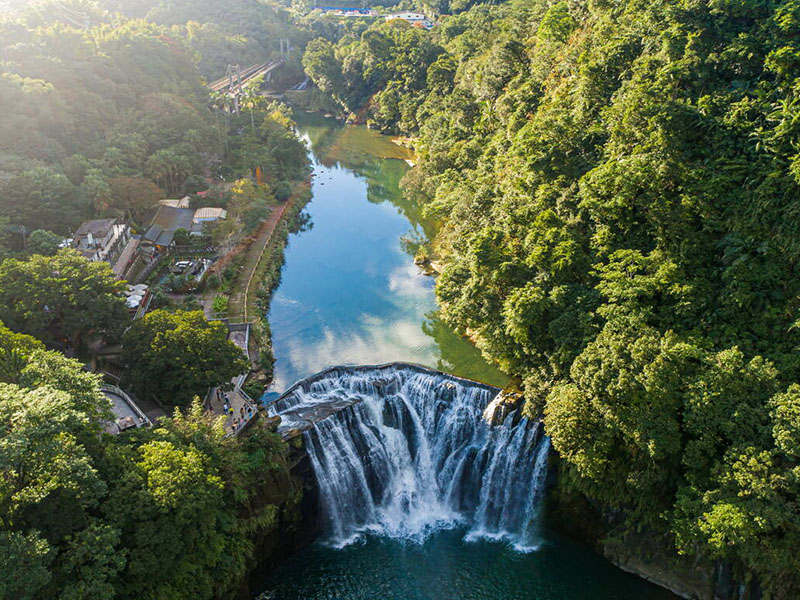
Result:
[[127, 415]]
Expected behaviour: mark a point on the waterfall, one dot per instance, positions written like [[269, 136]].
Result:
[[401, 451]]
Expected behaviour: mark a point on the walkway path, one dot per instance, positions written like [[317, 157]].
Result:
[[237, 304], [244, 409]]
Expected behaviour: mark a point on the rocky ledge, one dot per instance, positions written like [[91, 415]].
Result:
[[297, 416]]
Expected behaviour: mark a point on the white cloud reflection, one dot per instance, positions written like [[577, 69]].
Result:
[[408, 280], [304, 344], [374, 342]]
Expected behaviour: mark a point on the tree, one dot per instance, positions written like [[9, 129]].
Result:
[[617, 229], [61, 298], [182, 237], [194, 184], [619, 420], [43, 242], [42, 198], [744, 508], [53, 369], [44, 477], [557, 23], [319, 61], [177, 356], [25, 560], [15, 351], [133, 196], [6, 236], [249, 203]]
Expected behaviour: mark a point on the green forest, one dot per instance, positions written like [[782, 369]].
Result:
[[616, 192], [167, 512], [105, 107], [105, 110], [616, 186]]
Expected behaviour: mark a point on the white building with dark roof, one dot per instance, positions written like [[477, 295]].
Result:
[[102, 239]]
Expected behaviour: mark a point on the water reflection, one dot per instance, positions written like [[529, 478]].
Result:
[[350, 293]]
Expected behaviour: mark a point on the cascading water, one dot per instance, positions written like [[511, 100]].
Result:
[[402, 451]]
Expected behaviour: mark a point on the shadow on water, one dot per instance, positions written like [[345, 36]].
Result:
[[365, 152]]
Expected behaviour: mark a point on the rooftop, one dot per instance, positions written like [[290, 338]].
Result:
[[182, 203], [158, 236], [97, 227], [166, 221], [209, 214], [170, 218], [126, 257], [406, 15]]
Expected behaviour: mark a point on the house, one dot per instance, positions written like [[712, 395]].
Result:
[[182, 203], [414, 18], [347, 12], [156, 236], [165, 222], [171, 215], [209, 215], [102, 239]]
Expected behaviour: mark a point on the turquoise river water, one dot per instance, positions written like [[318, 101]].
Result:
[[351, 294]]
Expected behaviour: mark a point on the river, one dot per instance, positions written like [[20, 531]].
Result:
[[351, 294]]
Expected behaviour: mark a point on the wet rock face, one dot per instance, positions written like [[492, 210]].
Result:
[[293, 490], [503, 405]]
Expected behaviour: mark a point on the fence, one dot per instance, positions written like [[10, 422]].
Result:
[[149, 267]]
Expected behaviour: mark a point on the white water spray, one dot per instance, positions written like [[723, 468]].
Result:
[[412, 452]]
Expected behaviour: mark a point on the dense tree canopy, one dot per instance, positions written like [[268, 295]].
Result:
[[87, 106], [15, 348], [382, 72], [61, 298], [177, 356], [154, 513], [106, 115]]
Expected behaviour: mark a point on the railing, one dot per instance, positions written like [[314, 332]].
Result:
[[249, 402], [144, 306], [112, 389]]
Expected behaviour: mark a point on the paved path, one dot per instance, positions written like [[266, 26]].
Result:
[[243, 408], [153, 411], [237, 304]]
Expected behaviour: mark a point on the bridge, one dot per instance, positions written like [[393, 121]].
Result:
[[237, 78]]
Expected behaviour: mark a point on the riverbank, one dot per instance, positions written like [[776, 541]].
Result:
[[241, 303], [258, 279]]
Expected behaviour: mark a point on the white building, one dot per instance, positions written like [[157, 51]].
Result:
[[209, 214], [102, 239], [416, 19], [182, 203], [347, 12]]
